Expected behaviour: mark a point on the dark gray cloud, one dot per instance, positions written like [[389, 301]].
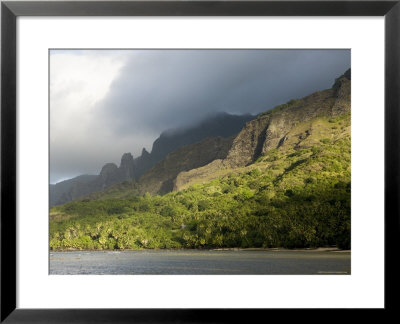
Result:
[[162, 89], [157, 90]]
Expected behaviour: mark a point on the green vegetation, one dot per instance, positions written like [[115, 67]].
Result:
[[295, 196]]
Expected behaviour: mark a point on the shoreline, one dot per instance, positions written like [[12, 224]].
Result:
[[319, 249]]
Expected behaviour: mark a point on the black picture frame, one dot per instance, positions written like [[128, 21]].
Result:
[[10, 10]]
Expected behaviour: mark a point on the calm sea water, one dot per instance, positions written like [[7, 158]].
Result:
[[199, 262]]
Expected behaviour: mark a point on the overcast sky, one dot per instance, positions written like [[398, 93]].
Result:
[[104, 103]]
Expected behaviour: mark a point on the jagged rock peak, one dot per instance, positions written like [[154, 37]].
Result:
[[126, 160], [343, 77], [144, 152], [126, 169], [108, 169]]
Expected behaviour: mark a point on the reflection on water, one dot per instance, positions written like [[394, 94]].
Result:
[[199, 262]]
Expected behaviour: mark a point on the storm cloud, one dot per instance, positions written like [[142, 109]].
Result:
[[105, 103]]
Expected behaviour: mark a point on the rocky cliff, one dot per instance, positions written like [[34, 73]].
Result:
[[160, 179], [271, 130], [220, 125]]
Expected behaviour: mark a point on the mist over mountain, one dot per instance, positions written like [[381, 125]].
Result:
[[275, 128], [212, 157], [185, 156], [217, 125], [221, 124]]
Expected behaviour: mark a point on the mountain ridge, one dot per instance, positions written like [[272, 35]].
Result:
[[218, 125], [270, 129]]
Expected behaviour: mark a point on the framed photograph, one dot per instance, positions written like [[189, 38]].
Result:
[[192, 161]]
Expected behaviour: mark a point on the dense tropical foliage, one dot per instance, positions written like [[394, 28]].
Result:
[[295, 196]]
